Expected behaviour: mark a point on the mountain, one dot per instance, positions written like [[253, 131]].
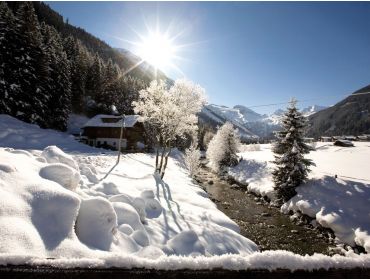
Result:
[[351, 116], [308, 111], [215, 115], [251, 124]]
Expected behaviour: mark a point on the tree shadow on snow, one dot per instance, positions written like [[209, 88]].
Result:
[[166, 191]]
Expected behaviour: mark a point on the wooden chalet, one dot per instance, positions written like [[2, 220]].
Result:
[[104, 131]]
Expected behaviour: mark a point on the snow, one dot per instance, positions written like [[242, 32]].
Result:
[[73, 201], [53, 154], [61, 174], [129, 121], [124, 216], [154, 259], [341, 204]]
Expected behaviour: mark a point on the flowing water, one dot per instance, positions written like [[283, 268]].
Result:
[[262, 223]]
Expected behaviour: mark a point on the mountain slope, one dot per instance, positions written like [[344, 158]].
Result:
[[215, 115], [349, 116], [123, 58]]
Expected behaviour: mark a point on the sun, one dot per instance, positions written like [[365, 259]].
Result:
[[157, 49]]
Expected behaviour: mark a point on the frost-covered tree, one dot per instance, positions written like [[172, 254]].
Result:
[[291, 166], [169, 113], [192, 159], [222, 149]]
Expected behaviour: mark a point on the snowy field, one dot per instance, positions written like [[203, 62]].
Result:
[[342, 204], [67, 201]]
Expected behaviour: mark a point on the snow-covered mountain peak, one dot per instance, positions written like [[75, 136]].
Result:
[[312, 109]]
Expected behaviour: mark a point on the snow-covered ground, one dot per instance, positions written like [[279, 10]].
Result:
[[71, 203], [55, 204], [342, 204]]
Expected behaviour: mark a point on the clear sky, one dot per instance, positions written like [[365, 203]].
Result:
[[247, 53]]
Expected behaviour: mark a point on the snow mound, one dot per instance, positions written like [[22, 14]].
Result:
[[139, 204], [53, 154], [141, 237], [108, 188], [96, 222], [186, 243], [61, 174], [121, 198], [126, 229], [7, 168], [126, 214]]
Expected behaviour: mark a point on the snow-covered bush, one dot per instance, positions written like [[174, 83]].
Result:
[[192, 160], [169, 113], [223, 148], [291, 166]]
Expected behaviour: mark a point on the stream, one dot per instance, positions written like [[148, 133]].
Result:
[[264, 224]]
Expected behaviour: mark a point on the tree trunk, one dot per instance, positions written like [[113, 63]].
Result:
[[156, 160], [161, 162], [165, 163]]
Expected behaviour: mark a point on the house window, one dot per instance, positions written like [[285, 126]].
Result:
[[98, 143], [114, 143]]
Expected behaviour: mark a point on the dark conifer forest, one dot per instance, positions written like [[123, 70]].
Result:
[[49, 68]]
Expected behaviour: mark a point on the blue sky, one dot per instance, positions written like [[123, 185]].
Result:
[[247, 53]]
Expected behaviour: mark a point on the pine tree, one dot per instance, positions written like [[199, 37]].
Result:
[[33, 68], [291, 166], [59, 79], [95, 78], [10, 90], [79, 59]]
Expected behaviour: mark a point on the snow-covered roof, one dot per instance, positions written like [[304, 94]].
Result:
[[110, 121]]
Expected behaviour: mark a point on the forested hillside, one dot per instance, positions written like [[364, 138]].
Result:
[[351, 116], [50, 68]]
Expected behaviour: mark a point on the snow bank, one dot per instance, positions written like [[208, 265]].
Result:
[[341, 204], [270, 260], [255, 170]]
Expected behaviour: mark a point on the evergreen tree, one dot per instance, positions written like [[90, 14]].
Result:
[[291, 166], [95, 78], [33, 67], [59, 79], [79, 59], [10, 90]]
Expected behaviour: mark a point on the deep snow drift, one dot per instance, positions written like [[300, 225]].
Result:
[[342, 204]]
